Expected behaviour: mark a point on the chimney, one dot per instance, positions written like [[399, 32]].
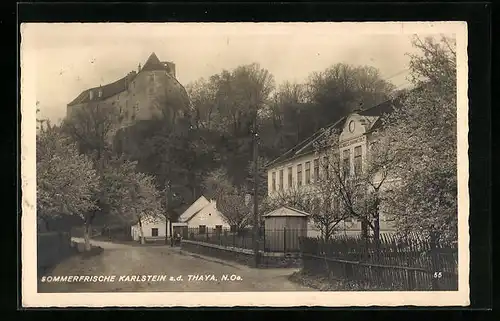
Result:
[[139, 68]]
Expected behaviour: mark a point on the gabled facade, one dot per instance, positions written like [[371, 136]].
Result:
[[193, 208], [202, 215], [300, 167]]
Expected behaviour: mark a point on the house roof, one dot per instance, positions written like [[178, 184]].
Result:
[[287, 211], [194, 209], [152, 64], [307, 146], [202, 209]]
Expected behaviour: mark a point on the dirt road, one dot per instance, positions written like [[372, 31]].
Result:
[[160, 268]]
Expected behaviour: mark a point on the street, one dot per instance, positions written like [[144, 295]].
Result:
[[157, 264]]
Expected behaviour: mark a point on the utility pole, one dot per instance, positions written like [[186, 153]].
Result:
[[255, 190], [168, 223]]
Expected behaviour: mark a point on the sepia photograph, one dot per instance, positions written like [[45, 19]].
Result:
[[222, 164]]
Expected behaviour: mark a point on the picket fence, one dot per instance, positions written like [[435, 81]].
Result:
[[407, 262]]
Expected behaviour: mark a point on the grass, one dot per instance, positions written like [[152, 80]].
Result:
[[325, 283]]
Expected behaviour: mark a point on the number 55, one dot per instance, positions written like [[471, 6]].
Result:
[[438, 275]]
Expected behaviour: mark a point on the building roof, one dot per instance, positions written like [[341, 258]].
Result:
[[153, 63], [287, 211], [114, 88], [192, 210], [107, 90], [307, 146]]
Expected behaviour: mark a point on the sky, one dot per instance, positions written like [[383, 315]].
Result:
[[68, 58]]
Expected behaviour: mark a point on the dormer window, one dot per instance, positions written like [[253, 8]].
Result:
[[100, 93], [91, 95]]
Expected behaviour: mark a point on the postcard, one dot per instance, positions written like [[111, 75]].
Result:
[[244, 164]]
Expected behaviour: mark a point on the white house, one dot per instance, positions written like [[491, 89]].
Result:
[[300, 166], [153, 229], [203, 214]]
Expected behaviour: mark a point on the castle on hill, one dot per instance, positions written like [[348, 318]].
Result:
[[140, 95]]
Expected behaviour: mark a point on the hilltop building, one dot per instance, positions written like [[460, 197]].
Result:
[[140, 95]]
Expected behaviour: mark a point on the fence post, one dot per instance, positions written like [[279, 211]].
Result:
[[436, 268], [284, 240], [264, 238], [412, 276]]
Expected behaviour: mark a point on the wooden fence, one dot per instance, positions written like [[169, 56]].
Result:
[[400, 263], [284, 240]]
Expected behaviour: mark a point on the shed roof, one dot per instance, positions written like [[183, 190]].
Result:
[[287, 211]]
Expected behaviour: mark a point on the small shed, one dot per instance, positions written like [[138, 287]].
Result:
[[283, 227]]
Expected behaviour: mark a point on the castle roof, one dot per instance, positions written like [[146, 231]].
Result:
[[153, 63], [106, 90], [114, 88]]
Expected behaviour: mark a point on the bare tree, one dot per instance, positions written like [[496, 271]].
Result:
[[230, 200], [357, 193]]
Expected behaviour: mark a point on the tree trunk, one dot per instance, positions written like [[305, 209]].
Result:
[[87, 230], [376, 227], [376, 230], [364, 228], [141, 232], [169, 223]]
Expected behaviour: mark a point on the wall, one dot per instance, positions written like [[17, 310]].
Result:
[[242, 256], [146, 227]]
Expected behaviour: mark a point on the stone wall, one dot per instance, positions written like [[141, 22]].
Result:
[[242, 256]]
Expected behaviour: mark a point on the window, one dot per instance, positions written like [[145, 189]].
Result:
[[218, 229], [308, 173], [100, 93], [299, 175], [202, 229], [273, 181], [316, 169], [346, 162], [91, 95], [281, 180], [290, 177], [154, 231], [358, 160]]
